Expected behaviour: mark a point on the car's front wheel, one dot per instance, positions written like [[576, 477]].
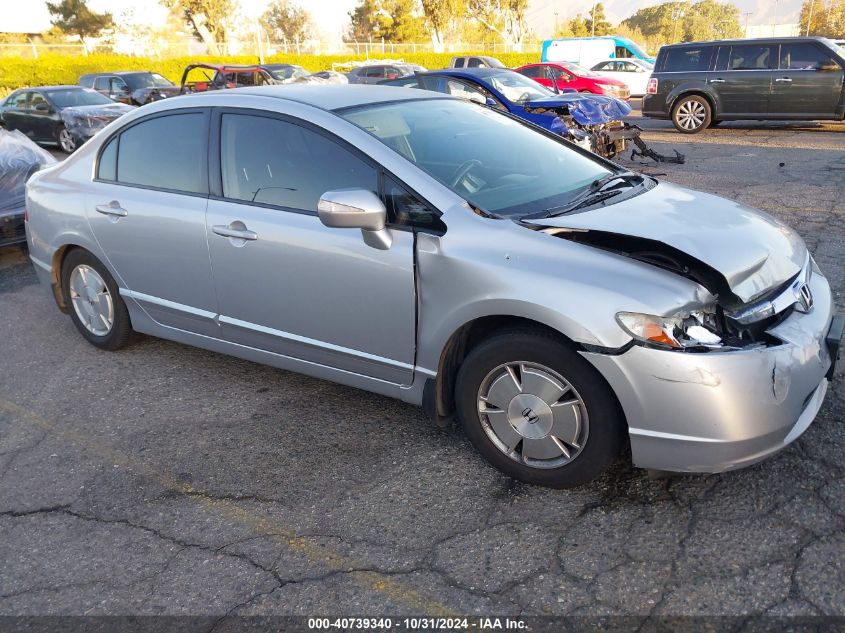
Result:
[[691, 114], [537, 411], [66, 141], [94, 302]]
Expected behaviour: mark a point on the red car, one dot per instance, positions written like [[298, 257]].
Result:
[[574, 77]]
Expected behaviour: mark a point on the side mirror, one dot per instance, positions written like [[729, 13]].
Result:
[[829, 67], [490, 101], [356, 209], [42, 107]]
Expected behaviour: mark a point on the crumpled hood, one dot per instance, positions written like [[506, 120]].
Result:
[[158, 92], [752, 250], [586, 109], [111, 111]]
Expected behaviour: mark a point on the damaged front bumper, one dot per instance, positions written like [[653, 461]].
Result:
[[721, 410]]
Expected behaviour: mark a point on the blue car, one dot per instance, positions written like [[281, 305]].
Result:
[[593, 122]]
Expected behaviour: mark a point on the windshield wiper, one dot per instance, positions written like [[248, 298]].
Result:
[[593, 194]]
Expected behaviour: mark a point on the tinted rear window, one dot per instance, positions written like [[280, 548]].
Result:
[[678, 60], [167, 152]]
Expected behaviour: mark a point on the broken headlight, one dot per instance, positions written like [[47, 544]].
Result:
[[695, 329]]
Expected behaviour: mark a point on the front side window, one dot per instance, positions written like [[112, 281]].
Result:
[[270, 161], [375, 71], [406, 209], [751, 57], [167, 152], [803, 57], [532, 71], [37, 99], [688, 59], [498, 164]]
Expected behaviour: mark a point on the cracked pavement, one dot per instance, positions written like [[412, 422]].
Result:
[[169, 480]]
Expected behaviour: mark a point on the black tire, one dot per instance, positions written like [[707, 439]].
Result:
[[607, 429], [716, 122], [120, 334], [691, 114]]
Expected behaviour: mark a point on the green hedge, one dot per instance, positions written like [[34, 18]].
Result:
[[65, 69]]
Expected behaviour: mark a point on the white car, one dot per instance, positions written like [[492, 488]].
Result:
[[632, 72]]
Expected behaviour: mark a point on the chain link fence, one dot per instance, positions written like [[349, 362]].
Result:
[[166, 48]]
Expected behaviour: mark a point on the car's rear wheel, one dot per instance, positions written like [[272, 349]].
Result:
[[691, 114], [537, 411], [94, 302], [66, 141]]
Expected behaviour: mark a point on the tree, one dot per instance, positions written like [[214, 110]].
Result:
[[391, 20], [439, 16], [206, 17], [287, 21], [506, 18], [684, 21], [602, 26], [74, 17], [578, 26], [823, 17]]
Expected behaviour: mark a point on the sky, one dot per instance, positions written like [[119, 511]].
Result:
[[330, 16]]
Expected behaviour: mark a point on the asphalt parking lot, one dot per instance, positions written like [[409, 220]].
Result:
[[169, 480]]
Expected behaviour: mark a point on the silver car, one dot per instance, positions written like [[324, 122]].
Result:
[[433, 250]]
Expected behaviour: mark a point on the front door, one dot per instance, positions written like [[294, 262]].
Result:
[[147, 209], [807, 83], [285, 282], [743, 78]]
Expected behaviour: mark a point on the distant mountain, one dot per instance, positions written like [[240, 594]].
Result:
[[541, 13]]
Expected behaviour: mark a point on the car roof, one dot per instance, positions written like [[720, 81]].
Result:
[[753, 40], [120, 72], [49, 89], [466, 72], [333, 97]]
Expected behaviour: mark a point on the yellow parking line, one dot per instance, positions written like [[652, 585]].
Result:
[[376, 581]]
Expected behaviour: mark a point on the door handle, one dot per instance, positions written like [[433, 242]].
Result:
[[784, 80], [717, 81], [112, 208], [232, 230]]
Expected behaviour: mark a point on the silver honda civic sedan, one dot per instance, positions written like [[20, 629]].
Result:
[[437, 251]]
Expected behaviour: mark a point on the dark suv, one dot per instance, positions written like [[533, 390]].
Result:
[[700, 84]]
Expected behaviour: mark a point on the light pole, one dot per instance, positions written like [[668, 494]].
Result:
[[593, 19]]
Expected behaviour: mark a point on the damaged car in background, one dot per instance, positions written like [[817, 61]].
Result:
[[594, 122], [557, 305], [131, 87], [65, 115], [19, 159]]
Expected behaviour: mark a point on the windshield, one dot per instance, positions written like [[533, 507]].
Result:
[[493, 161], [287, 72], [575, 69], [517, 88], [78, 97], [637, 50], [146, 80]]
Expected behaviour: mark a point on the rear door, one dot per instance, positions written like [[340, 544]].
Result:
[[808, 82], [743, 78], [146, 207], [15, 112]]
